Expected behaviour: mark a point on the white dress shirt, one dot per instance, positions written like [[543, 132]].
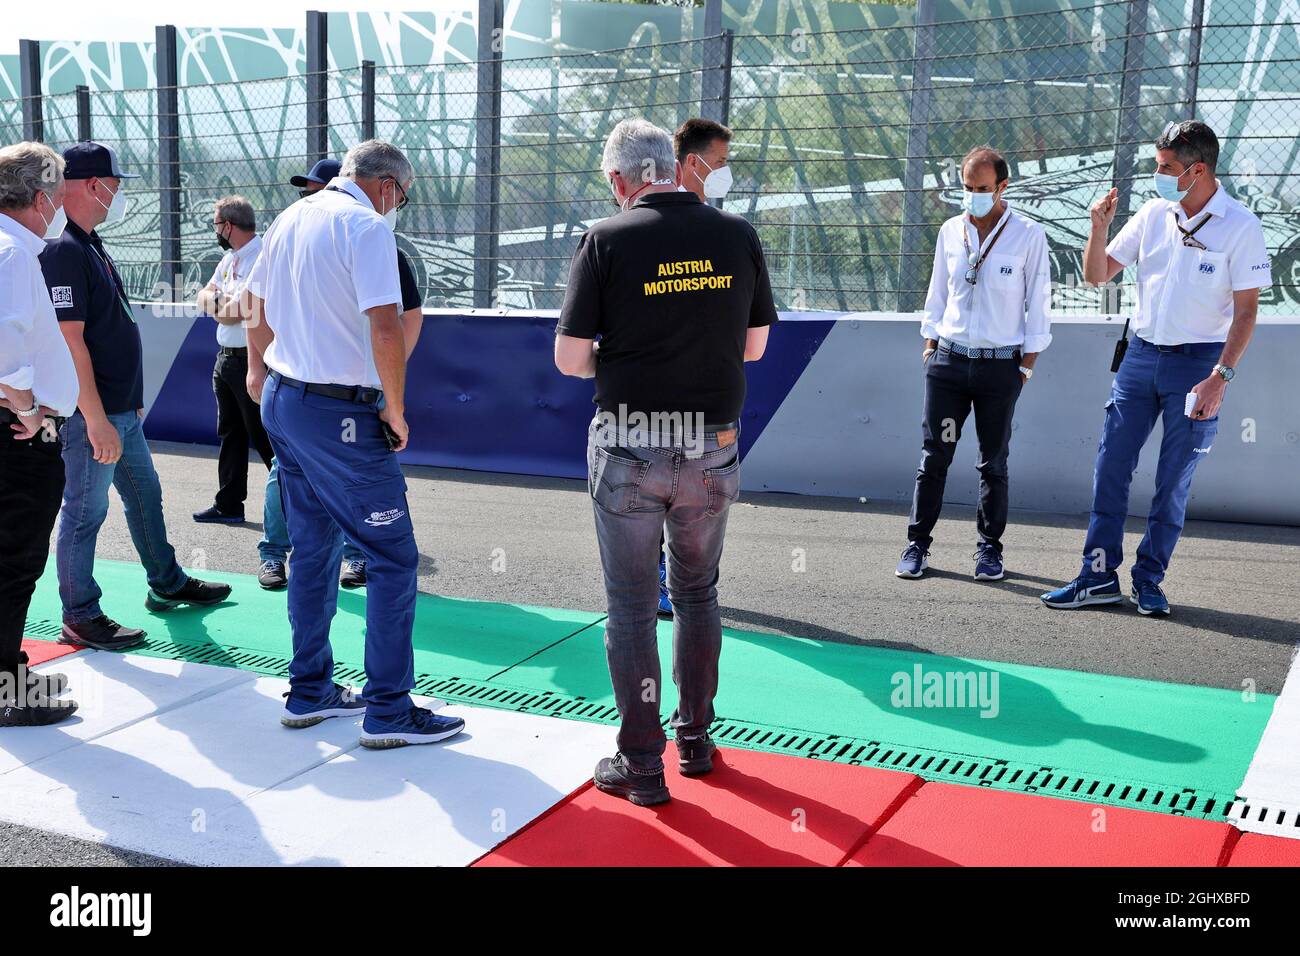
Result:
[[1009, 303], [1185, 294], [33, 352], [324, 261], [231, 278]]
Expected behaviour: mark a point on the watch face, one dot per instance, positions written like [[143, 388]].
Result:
[[1226, 373]]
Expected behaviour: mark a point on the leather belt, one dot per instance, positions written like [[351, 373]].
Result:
[[347, 393], [233, 349], [1002, 352], [1189, 348]]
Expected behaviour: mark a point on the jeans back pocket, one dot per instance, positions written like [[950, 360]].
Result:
[[615, 479]]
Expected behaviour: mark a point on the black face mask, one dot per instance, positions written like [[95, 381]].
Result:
[[223, 242]]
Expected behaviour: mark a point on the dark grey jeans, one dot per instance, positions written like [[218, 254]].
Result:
[[638, 491]]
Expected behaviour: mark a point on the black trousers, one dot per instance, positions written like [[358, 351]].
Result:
[[954, 385], [31, 490], [239, 421]]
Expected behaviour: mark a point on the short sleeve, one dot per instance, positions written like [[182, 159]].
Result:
[[580, 315], [411, 298], [219, 271], [762, 309], [1124, 248], [63, 264], [374, 265], [1248, 264]]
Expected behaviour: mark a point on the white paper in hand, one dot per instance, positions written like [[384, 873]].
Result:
[[1189, 404]]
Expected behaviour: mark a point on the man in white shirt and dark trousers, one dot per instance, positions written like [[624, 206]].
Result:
[[986, 319], [331, 393], [239, 420], [1201, 261], [38, 389]]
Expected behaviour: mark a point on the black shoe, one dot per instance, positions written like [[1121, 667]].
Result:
[[103, 634], [354, 575], [271, 575], [194, 592], [47, 685], [614, 776], [215, 515], [36, 712], [695, 755]]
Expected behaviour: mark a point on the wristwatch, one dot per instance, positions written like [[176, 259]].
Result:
[[1028, 373], [1226, 372], [34, 410]]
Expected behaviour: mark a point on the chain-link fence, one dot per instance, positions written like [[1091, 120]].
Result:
[[846, 149]]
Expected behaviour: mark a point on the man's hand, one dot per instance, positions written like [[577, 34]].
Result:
[[254, 381], [1103, 210], [931, 346], [397, 422], [1209, 396], [104, 440], [25, 428]]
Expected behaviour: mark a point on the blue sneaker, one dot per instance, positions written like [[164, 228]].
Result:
[[340, 702], [417, 726], [912, 564], [1086, 589], [1149, 598], [665, 603], [988, 563]]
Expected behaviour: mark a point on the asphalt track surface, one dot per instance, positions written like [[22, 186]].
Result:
[[813, 567]]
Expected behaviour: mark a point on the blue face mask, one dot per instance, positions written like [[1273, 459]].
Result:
[[978, 205], [1167, 186]]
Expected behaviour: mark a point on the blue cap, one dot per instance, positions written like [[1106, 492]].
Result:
[[92, 161], [321, 173]]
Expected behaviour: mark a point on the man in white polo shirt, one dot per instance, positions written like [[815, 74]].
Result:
[[332, 403], [986, 319], [38, 389], [1201, 261]]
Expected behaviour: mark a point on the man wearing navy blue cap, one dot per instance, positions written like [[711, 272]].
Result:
[[103, 441], [318, 178]]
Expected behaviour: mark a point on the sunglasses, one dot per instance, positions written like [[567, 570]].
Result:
[[405, 199]]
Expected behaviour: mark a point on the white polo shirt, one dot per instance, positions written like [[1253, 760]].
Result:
[[33, 352], [1009, 303], [324, 261], [231, 278], [1184, 294]]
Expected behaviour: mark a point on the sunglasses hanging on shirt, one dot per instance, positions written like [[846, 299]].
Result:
[[1189, 235], [973, 260]]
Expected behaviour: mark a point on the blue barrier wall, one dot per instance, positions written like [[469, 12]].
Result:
[[833, 408]]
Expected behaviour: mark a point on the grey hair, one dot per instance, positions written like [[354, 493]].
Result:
[[376, 159], [639, 150], [25, 170], [237, 211]]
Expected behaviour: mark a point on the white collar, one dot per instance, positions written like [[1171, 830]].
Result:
[[21, 235], [350, 187], [251, 246]]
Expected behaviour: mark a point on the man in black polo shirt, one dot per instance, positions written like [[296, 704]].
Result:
[[103, 441], [679, 296]]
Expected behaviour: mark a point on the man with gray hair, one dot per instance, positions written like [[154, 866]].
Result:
[[679, 295], [38, 389], [328, 367]]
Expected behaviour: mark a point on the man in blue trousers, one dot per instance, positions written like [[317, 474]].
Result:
[[1201, 261], [331, 391]]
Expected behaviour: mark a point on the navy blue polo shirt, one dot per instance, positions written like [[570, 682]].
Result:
[[86, 287]]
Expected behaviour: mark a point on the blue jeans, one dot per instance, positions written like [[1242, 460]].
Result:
[[85, 505], [1152, 383], [275, 545], [327, 484], [636, 490]]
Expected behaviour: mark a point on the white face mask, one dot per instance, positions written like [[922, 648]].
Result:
[[54, 228], [718, 183], [390, 215], [117, 208]]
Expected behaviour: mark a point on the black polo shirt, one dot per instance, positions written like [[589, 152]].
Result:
[[85, 287], [411, 298], [670, 286]]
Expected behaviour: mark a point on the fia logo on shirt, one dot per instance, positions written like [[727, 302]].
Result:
[[1006, 270], [1207, 268]]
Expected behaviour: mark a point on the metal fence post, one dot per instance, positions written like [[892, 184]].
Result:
[[1194, 57], [716, 66], [1130, 106], [487, 150], [367, 99], [84, 130], [29, 57], [910, 261], [169, 161], [318, 131]]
